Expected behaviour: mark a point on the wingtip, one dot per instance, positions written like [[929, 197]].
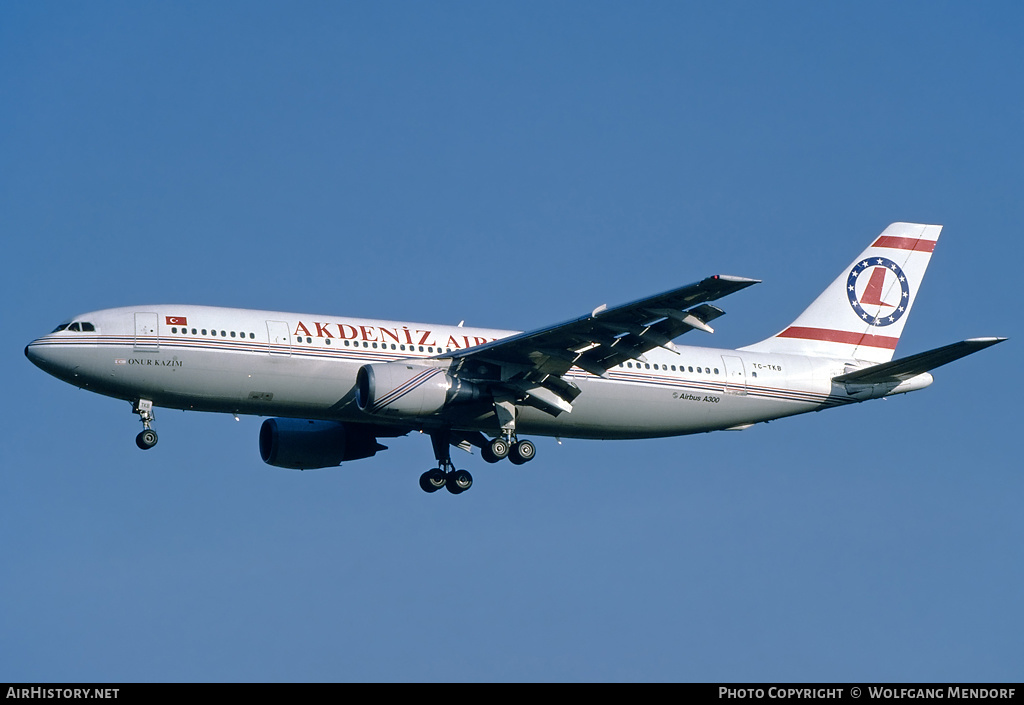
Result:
[[735, 279]]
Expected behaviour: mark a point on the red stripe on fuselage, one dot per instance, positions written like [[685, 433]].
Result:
[[905, 243], [840, 336]]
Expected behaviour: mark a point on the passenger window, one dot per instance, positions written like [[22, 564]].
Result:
[[252, 336], [204, 331], [174, 330]]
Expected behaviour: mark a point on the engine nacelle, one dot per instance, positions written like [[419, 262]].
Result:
[[302, 444], [398, 389]]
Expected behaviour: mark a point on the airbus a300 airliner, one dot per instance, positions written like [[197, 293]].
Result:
[[337, 385]]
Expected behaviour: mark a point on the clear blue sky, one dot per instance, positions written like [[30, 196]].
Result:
[[512, 165]]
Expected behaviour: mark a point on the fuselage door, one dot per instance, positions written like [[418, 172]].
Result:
[[280, 339], [735, 377], [147, 335]]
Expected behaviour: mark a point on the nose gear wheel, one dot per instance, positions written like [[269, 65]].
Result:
[[147, 438]]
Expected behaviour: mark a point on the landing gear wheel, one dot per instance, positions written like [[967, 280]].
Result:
[[459, 481], [146, 439], [522, 452], [144, 408], [432, 480], [488, 455], [499, 448]]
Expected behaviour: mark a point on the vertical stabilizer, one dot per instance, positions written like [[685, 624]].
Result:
[[862, 313]]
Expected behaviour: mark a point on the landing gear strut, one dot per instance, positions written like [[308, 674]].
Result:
[[507, 445], [444, 475], [147, 438]]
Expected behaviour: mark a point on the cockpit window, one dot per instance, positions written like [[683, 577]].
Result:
[[79, 326]]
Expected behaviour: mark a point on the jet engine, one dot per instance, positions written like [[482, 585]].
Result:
[[398, 389], [303, 444]]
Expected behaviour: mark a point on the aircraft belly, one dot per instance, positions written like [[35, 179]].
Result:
[[168, 377], [236, 382], [264, 384], [316, 387], [636, 410]]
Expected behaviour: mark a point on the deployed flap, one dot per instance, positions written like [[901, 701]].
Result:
[[908, 367]]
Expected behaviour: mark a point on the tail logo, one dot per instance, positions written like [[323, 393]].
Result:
[[872, 294]]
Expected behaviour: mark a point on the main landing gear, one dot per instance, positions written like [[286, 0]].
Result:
[[147, 438], [455, 481], [444, 475], [507, 445], [518, 452], [458, 481]]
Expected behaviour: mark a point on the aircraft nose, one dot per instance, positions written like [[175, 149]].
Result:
[[34, 351]]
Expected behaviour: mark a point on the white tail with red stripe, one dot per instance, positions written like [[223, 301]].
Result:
[[862, 313]]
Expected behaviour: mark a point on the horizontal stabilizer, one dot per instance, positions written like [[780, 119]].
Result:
[[908, 367]]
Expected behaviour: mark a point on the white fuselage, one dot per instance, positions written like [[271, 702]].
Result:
[[304, 366]]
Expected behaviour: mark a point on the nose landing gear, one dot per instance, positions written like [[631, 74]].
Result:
[[147, 438]]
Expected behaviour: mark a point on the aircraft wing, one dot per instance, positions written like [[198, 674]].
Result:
[[531, 365], [907, 367]]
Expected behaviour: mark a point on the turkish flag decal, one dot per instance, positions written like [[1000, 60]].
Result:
[[176, 320]]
